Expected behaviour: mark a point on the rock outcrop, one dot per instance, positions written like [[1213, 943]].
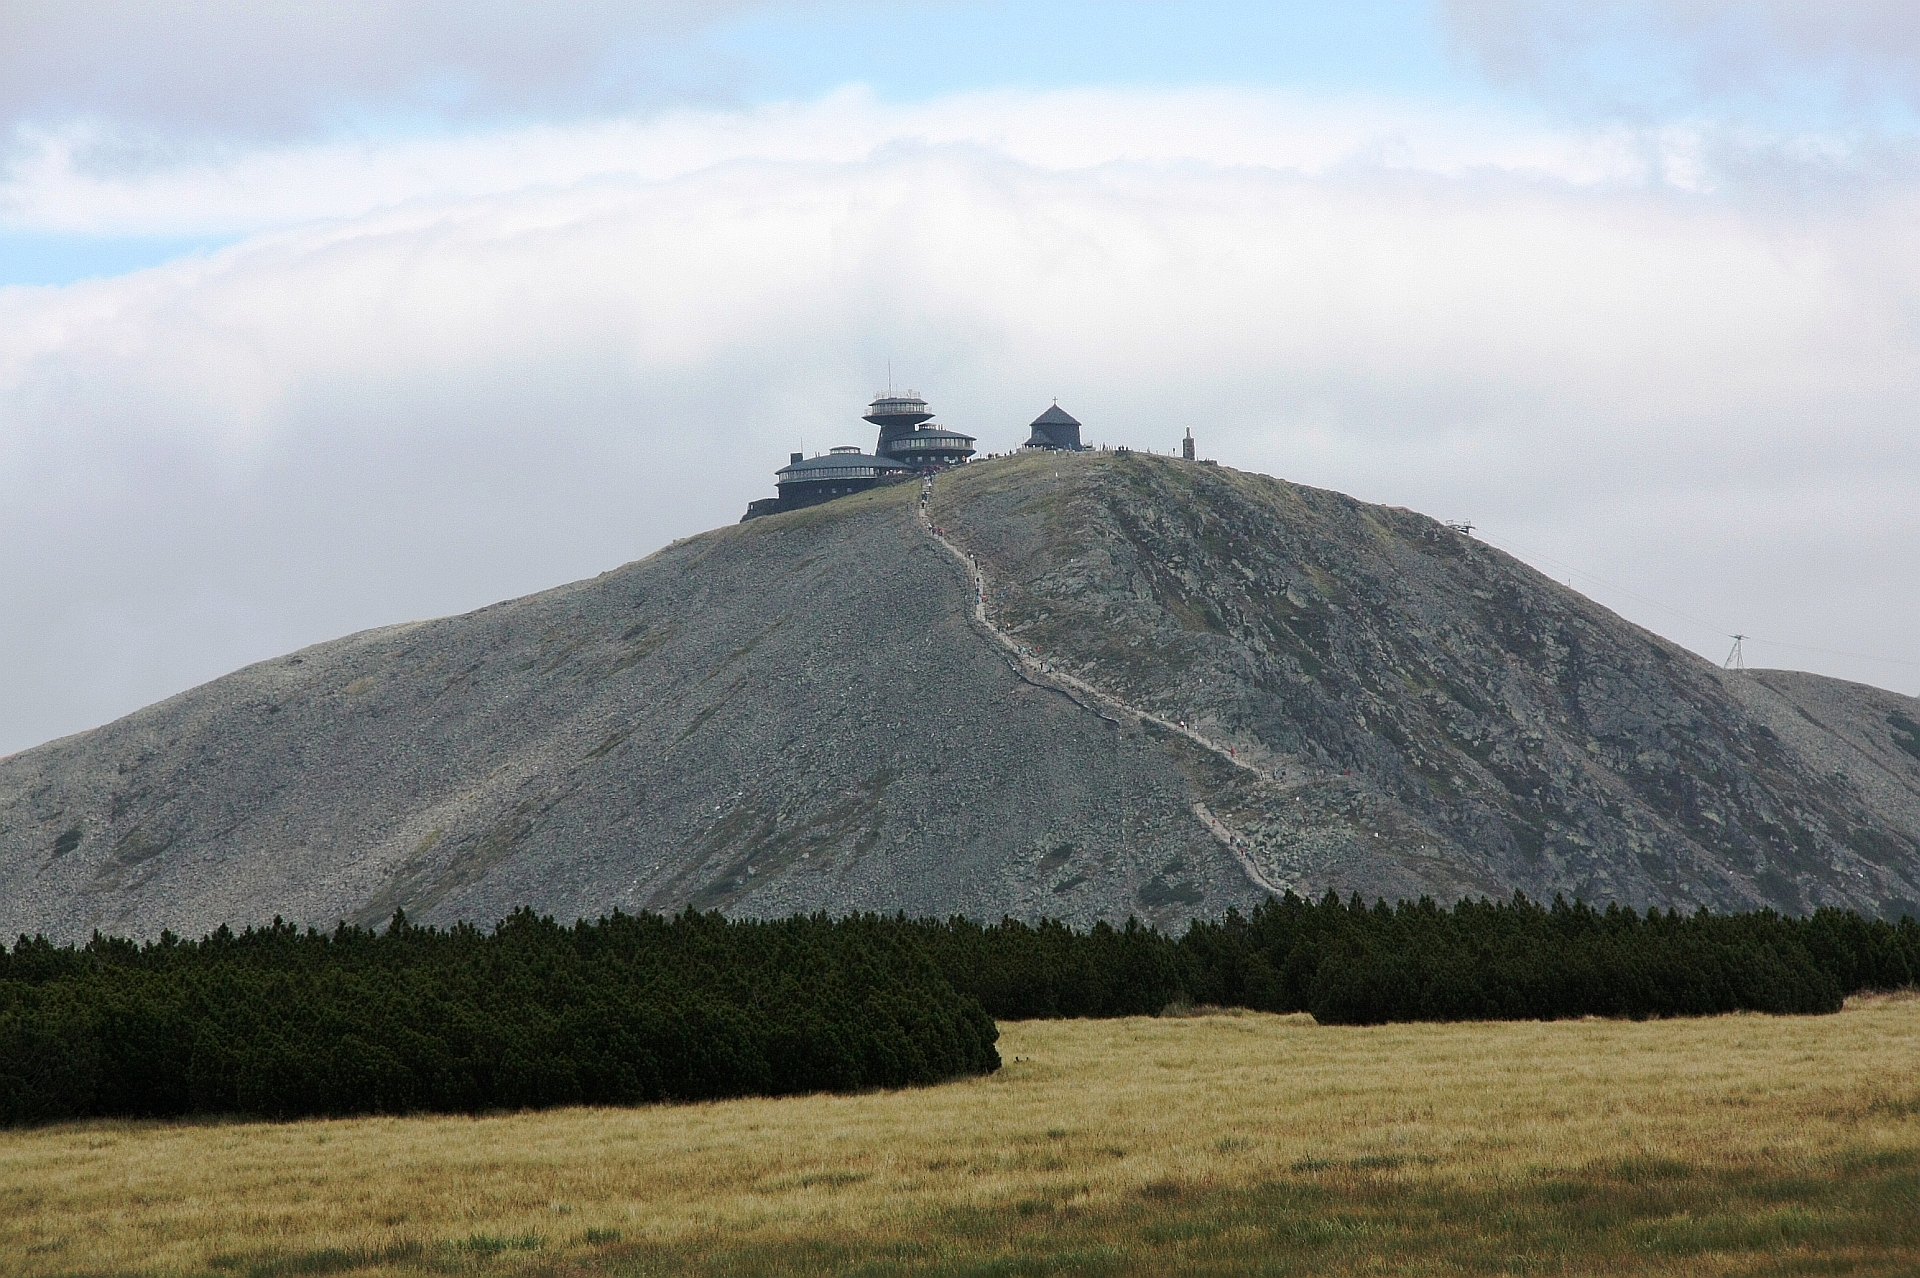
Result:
[[799, 713]]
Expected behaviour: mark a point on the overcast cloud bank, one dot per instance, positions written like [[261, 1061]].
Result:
[[439, 370]]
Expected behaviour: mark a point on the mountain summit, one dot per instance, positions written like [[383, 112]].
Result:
[[1170, 689]]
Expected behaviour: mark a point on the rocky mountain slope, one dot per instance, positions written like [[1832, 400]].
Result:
[[799, 713], [1436, 717]]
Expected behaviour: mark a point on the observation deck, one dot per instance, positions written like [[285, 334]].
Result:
[[898, 412]]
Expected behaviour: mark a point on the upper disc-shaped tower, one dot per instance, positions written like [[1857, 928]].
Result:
[[893, 413]]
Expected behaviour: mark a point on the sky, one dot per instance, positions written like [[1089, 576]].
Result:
[[322, 316]]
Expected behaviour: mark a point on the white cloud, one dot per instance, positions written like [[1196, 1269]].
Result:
[[54, 185], [1855, 54], [459, 370], [225, 68]]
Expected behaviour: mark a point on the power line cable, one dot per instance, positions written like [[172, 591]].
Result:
[[1835, 652], [1521, 552]]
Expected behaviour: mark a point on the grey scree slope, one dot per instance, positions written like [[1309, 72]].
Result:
[[789, 714], [795, 714], [1442, 718]]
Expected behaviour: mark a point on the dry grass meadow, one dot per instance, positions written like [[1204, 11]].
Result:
[[1213, 1144]]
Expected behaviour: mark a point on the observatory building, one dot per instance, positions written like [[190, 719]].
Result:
[[808, 481], [906, 438], [907, 447]]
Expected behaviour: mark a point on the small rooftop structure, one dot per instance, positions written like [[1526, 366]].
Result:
[[1055, 428]]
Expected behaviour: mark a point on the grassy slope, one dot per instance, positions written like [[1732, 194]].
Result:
[[1740, 1144]]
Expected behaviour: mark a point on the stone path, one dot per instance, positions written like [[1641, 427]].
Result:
[[1036, 669]]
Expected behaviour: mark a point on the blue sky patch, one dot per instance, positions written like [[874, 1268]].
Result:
[[64, 257]]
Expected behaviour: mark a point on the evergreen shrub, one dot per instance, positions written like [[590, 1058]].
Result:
[[1352, 964], [284, 1023]]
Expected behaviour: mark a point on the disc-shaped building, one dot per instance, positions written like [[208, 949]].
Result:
[[905, 437], [907, 447]]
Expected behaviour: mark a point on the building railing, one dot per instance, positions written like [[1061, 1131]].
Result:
[[812, 475], [944, 443]]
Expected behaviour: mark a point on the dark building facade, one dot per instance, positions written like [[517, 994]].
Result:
[[905, 436], [931, 448], [1055, 428], [808, 481], [897, 415]]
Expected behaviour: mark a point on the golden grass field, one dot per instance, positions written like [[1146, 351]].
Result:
[[1212, 1144]]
